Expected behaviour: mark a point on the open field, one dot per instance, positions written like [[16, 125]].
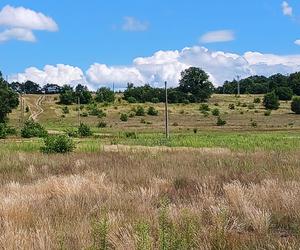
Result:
[[127, 187]]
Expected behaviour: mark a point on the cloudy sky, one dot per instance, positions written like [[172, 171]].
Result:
[[151, 41]]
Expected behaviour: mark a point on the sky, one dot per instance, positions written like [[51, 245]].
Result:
[[100, 43]]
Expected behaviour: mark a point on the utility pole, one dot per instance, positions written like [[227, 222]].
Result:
[[238, 85], [166, 113]]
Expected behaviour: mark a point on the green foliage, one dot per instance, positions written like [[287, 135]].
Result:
[[271, 101], [221, 122], [155, 100], [84, 114], [143, 236], [102, 124], [295, 106], [27, 109], [139, 111], [105, 95], [284, 93], [231, 106], [253, 124], [195, 83], [65, 110], [256, 100], [58, 144], [66, 95], [72, 132], [100, 231], [152, 111], [204, 107], [33, 129], [131, 99], [124, 117], [3, 131], [215, 112], [131, 135], [84, 130]]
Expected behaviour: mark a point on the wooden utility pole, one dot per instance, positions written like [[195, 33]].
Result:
[[166, 113], [78, 101], [238, 85]]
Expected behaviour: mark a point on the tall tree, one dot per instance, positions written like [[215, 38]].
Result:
[[8, 99], [83, 94], [195, 82]]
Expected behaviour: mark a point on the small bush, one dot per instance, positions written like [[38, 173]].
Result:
[[131, 99], [124, 117], [195, 130], [254, 124], [152, 111], [295, 105], [204, 107], [256, 100], [140, 111], [215, 112], [71, 132], [175, 124], [3, 131], [271, 101], [205, 113], [131, 135], [58, 144], [155, 100], [84, 130], [102, 124], [221, 122], [131, 114], [65, 110], [244, 105], [33, 129], [231, 106]]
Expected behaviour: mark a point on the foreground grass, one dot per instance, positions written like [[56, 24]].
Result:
[[184, 199]]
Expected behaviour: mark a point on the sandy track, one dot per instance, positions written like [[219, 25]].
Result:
[[38, 104]]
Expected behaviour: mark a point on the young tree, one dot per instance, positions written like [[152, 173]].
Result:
[[66, 95], [295, 106], [195, 82], [271, 101], [83, 94], [105, 95], [8, 99]]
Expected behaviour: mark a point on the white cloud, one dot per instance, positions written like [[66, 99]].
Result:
[[132, 24], [19, 23], [287, 10], [60, 74], [218, 36], [297, 42], [167, 66], [17, 34]]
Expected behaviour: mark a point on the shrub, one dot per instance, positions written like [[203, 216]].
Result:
[[27, 109], [221, 122], [244, 105], [268, 112], [152, 111], [65, 110], [140, 111], [284, 93], [155, 100], [231, 106], [215, 112], [102, 124], [295, 106], [71, 132], [257, 100], [271, 101], [131, 114], [84, 130], [105, 95], [254, 124], [32, 129], [195, 130], [204, 107], [3, 131], [131, 135], [58, 144], [124, 117], [131, 99]]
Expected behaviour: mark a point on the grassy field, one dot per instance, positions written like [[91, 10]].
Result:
[[127, 187]]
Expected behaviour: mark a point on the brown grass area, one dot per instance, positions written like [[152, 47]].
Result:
[[174, 199]]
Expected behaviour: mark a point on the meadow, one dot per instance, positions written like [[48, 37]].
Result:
[[128, 187]]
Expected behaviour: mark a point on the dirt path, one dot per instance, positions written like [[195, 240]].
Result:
[[39, 110]]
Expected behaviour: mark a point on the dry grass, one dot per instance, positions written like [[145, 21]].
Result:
[[150, 200]]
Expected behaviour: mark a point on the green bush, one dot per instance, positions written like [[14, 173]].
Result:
[[124, 117], [84, 130], [215, 112], [284, 93], [140, 111], [33, 129], [221, 122], [152, 111], [102, 124], [58, 144], [71, 132], [27, 109], [3, 131], [204, 107], [155, 100], [231, 106], [84, 114], [65, 110], [131, 99], [295, 106], [257, 100], [271, 101]]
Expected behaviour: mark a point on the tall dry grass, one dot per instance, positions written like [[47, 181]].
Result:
[[181, 199]]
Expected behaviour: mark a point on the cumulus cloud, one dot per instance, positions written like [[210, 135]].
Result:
[[19, 23], [287, 10], [218, 36], [133, 25], [297, 42], [60, 74], [167, 66]]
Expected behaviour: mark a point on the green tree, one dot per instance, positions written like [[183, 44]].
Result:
[[83, 94], [195, 82], [284, 93], [295, 106], [8, 99], [271, 101], [66, 95], [105, 95], [294, 81]]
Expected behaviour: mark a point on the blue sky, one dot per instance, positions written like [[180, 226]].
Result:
[[114, 33]]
